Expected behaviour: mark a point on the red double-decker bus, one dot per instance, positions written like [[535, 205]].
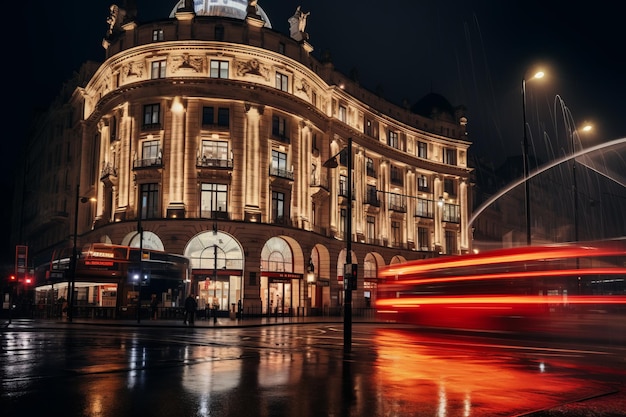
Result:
[[523, 288]]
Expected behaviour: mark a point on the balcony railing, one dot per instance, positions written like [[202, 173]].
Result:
[[215, 214], [282, 173], [148, 163], [424, 209], [319, 180], [397, 207], [372, 199], [214, 163]]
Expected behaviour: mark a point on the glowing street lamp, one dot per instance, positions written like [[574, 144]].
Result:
[[539, 74]]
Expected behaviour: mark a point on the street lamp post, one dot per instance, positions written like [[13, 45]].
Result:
[[525, 159], [141, 277], [585, 128], [349, 273], [73, 259]]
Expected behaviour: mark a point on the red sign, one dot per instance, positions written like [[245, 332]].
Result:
[[21, 260]]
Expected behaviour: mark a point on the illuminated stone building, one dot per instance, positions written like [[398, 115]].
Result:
[[216, 128]]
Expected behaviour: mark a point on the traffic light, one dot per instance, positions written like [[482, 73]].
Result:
[[350, 276], [12, 278]]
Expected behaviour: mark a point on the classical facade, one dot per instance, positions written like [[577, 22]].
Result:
[[211, 135]]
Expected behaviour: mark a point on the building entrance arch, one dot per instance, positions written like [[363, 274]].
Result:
[[282, 282], [216, 259]]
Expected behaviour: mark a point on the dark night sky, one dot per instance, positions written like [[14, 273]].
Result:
[[474, 53]]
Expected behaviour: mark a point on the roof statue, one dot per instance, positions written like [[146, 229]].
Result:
[[297, 25], [252, 8], [115, 19]]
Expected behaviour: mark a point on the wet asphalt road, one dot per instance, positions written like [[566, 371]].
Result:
[[298, 370]]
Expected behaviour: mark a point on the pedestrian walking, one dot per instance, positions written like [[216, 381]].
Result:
[[154, 307], [190, 309]]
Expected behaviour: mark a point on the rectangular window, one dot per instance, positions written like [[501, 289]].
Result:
[[157, 69], [393, 140], [279, 165], [396, 175], [279, 127], [448, 186], [208, 116], [450, 248], [422, 150], [278, 207], [219, 69], [422, 183], [449, 156], [343, 185], [213, 200], [423, 243], [282, 82], [451, 213], [367, 128], [151, 115], [314, 99], [371, 196], [396, 202], [369, 168], [281, 48], [396, 234], [342, 114], [149, 201], [371, 229], [157, 35], [214, 153], [343, 217], [150, 149], [223, 116], [150, 154], [424, 208]]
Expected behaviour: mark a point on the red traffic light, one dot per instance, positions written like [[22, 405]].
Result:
[[12, 278]]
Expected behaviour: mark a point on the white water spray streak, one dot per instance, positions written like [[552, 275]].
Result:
[[544, 168]]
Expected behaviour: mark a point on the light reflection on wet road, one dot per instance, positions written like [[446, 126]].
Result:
[[290, 371]]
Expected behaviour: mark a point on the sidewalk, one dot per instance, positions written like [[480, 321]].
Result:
[[221, 322]]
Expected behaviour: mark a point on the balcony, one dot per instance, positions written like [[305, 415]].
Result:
[[281, 173], [215, 214], [148, 163], [371, 198], [283, 221], [108, 175], [216, 163], [397, 207]]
